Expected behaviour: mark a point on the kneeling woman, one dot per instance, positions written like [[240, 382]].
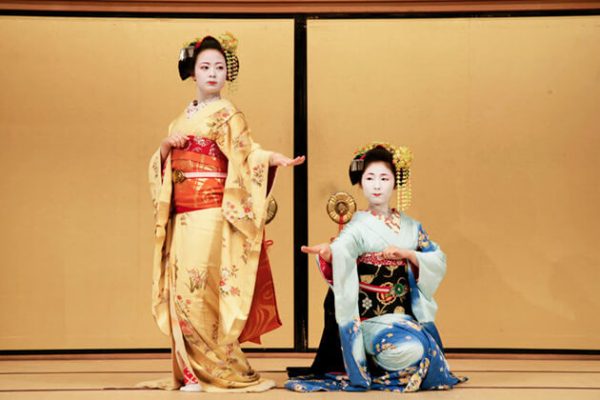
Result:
[[383, 270]]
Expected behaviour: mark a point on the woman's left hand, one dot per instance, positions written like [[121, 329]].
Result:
[[279, 160], [394, 253]]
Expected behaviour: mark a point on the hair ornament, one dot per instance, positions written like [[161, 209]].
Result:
[[228, 42], [357, 165]]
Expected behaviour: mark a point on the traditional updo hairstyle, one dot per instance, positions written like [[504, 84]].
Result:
[[361, 161], [189, 54]]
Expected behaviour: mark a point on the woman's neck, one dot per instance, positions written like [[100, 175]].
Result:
[[382, 209], [208, 98]]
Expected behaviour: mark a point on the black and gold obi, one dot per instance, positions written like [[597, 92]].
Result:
[[384, 287]]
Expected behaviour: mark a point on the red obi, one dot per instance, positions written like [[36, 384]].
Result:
[[199, 171]]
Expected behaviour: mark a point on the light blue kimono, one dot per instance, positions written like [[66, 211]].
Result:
[[410, 351]]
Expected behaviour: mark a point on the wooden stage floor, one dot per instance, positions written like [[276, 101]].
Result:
[[104, 378]]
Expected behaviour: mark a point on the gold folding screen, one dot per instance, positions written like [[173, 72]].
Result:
[[85, 102], [501, 114]]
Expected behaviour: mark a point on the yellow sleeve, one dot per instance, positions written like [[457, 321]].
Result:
[[244, 199]]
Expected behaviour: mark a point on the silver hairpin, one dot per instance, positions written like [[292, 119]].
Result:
[[357, 165]]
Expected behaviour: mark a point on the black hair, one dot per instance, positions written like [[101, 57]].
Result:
[[187, 61], [360, 163]]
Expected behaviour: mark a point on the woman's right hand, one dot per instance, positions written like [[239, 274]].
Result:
[[279, 160], [322, 249], [177, 141]]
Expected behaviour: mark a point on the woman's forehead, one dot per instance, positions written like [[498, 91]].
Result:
[[211, 55], [378, 168]]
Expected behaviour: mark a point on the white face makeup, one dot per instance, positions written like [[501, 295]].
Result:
[[210, 72], [378, 185]]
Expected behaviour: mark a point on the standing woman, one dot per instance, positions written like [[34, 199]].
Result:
[[212, 286]]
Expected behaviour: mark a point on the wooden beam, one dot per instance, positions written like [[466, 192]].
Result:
[[295, 6]]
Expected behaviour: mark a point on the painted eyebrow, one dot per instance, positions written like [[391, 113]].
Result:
[[381, 174]]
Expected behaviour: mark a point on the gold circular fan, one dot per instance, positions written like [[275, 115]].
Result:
[[271, 209], [340, 207]]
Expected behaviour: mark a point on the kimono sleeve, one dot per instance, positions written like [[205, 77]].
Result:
[[345, 250], [160, 189], [244, 198], [432, 264], [155, 178], [244, 208]]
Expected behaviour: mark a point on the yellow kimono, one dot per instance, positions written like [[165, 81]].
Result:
[[206, 260]]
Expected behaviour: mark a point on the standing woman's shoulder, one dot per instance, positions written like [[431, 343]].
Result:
[[229, 105]]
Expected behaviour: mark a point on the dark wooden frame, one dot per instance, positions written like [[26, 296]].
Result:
[[297, 6]]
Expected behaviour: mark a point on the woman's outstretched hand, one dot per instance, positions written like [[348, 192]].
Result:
[[322, 249], [279, 160]]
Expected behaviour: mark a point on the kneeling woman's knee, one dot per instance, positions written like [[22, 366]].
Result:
[[397, 356]]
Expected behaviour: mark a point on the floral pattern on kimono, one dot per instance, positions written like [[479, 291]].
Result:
[[220, 362], [366, 233]]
